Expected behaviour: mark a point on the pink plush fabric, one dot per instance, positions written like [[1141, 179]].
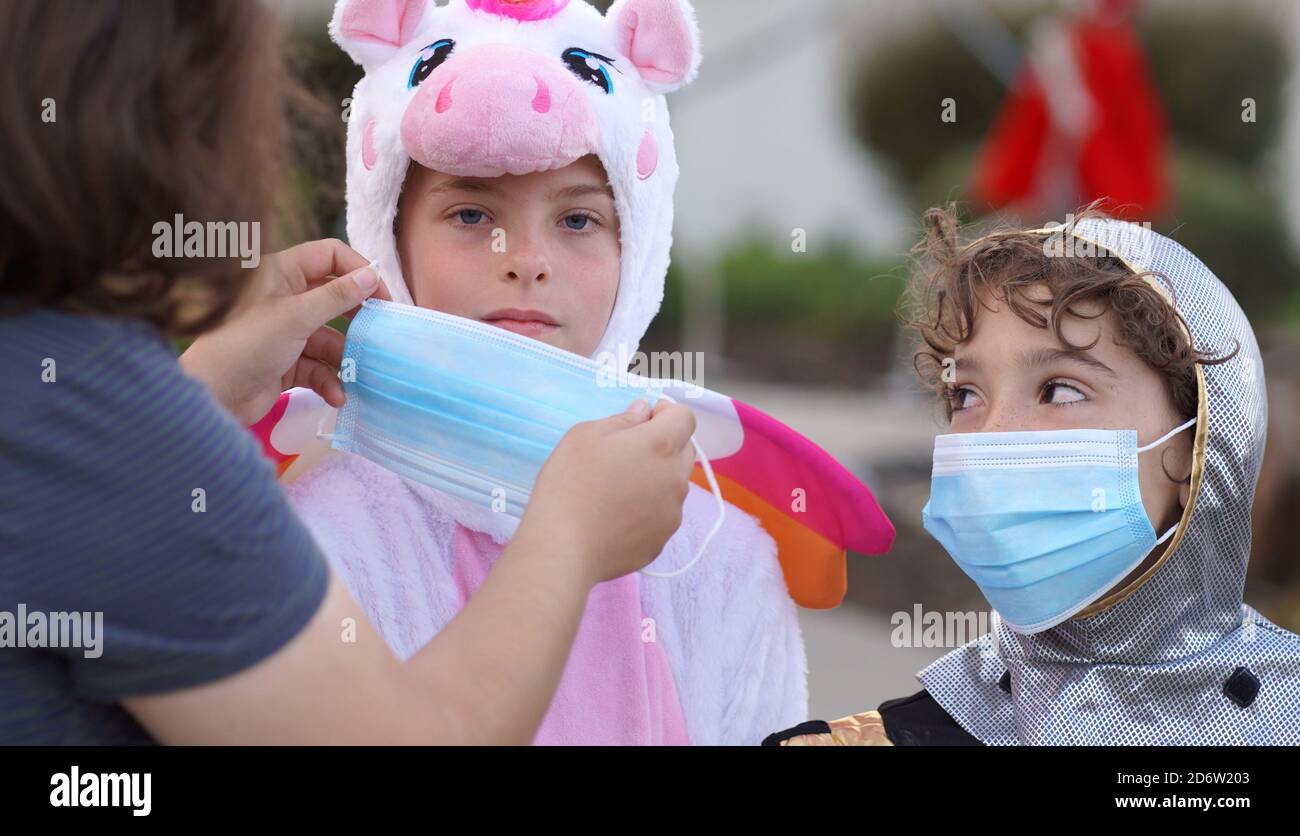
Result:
[[647, 155], [369, 156], [389, 22], [617, 688], [499, 108], [520, 9], [656, 36]]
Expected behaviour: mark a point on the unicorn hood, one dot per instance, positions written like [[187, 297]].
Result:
[[479, 88], [484, 88]]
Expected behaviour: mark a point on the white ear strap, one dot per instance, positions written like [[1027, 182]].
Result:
[[321, 435], [717, 495], [1162, 439]]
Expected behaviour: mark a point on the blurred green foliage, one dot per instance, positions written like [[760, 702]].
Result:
[[830, 291], [1204, 62], [897, 93], [1225, 213], [313, 183], [1232, 221], [830, 311]]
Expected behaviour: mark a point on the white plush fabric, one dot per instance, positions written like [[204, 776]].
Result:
[[728, 626]]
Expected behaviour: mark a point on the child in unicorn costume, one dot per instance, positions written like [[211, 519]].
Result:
[[486, 88]]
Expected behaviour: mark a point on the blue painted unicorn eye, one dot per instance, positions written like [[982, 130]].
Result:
[[588, 66], [430, 61]]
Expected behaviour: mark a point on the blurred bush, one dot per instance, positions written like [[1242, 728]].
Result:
[[1232, 221], [832, 291], [1204, 61], [831, 311], [897, 93], [1225, 213], [313, 182]]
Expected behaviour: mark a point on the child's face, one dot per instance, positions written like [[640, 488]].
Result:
[[1011, 375], [537, 254]]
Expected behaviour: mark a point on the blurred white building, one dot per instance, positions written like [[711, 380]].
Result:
[[763, 135]]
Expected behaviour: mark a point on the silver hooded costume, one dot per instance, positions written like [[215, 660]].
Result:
[[1176, 657]]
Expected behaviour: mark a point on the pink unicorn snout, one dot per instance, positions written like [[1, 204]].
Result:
[[496, 108]]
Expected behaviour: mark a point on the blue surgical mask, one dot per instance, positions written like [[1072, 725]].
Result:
[[1043, 522], [471, 409]]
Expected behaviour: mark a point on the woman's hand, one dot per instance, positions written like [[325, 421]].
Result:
[[611, 493], [277, 336]]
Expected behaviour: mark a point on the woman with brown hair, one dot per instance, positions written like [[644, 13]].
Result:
[[134, 504]]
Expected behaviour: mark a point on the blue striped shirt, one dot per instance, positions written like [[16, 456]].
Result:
[[128, 495]]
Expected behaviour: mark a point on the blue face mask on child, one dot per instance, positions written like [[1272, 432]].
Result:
[[470, 409], [1043, 522]]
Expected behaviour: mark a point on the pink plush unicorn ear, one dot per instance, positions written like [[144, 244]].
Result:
[[372, 30], [661, 38]]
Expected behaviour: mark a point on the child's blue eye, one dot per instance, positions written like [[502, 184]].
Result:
[[470, 217], [576, 222], [428, 62], [587, 66]]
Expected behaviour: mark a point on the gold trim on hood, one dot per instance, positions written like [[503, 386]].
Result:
[[1185, 522], [1199, 443]]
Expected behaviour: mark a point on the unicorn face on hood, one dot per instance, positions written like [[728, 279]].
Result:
[[485, 88]]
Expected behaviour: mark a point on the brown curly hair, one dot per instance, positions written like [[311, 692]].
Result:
[[953, 279]]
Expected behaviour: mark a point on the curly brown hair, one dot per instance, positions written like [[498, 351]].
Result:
[[159, 108], [954, 278]]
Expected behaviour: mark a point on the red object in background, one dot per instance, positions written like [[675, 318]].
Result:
[[1121, 152]]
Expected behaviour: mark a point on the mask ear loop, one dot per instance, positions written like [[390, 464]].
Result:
[[321, 435], [1161, 440], [717, 495]]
